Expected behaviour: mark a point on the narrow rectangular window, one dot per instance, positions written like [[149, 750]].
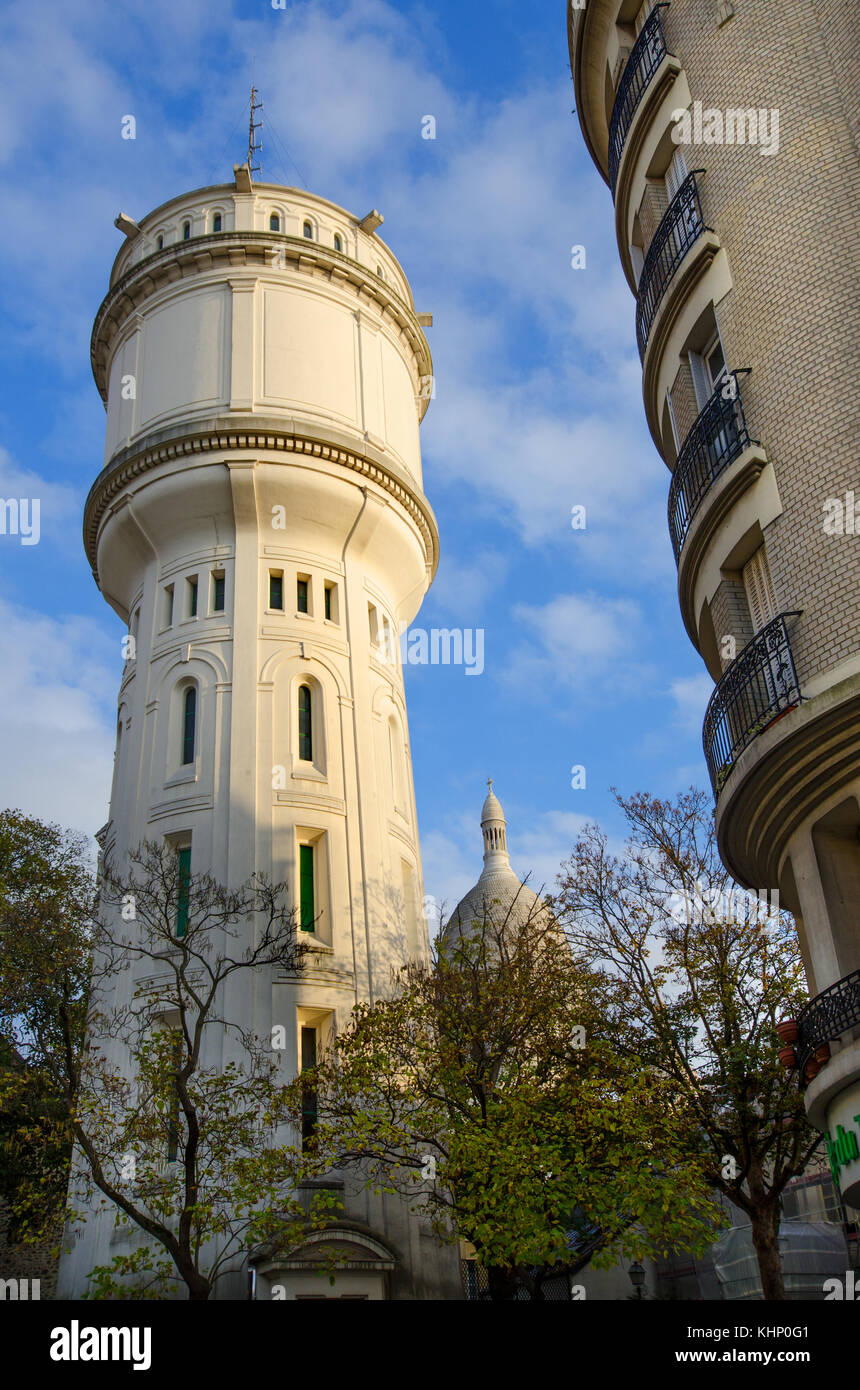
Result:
[[192, 597], [276, 589], [307, 906], [373, 620], [327, 593], [302, 595], [189, 725], [218, 583], [168, 605], [306, 724], [310, 1109], [183, 891]]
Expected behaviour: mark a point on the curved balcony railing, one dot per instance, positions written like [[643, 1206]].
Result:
[[718, 437], [645, 58], [680, 228], [760, 684], [826, 1017]]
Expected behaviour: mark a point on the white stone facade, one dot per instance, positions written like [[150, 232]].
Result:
[[261, 526]]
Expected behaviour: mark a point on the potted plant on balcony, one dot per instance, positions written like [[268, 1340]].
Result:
[[822, 1054], [811, 1070], [786, 1031], [788, 1057]]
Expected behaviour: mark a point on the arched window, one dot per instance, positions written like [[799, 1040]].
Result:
[[216, 222], [380, 272], [306, 739], [274, 222], [308, 231], [159, 242], [338, 242], [186, 230], [189, 724]]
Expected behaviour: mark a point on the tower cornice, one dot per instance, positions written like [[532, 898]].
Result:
[[259, 434]]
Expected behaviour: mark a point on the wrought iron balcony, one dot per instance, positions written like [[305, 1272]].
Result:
[[645, 58], [680, 228], [827, 1017], [718, 437], [760, 684]]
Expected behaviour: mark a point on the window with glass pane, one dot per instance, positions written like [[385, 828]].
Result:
[[218, 593], [183, 893], [310, 1110], [189, 724], [276, 591], [306, 739], [327, 600], [302, 595], [307, 903], [192, 597]]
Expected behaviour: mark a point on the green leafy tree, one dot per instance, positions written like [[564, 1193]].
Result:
[[47, 885], [185, 1146], [708, 971], [502, 1090]]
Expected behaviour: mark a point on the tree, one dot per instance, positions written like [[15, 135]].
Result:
[[708, 971], [500, 1088], [47, 884], [185, 1145]]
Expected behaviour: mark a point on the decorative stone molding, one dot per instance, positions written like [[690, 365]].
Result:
[[117, 475]]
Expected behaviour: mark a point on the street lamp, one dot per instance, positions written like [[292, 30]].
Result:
[[637, 1277]]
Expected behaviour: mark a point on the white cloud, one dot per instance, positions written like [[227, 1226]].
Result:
[[60, 506], [57, 679], [584, 642]]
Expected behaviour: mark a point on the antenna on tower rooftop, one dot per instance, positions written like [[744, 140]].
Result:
[[253, 147]]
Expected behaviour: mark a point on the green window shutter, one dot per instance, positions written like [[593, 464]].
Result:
[[306, 740], [327, 592], [307, 907], [183, 891], [302, 595], [276, 591], [189, 725], [218, 596], [193, 603]]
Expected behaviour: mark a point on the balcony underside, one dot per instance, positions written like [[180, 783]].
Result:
[[804, 758], [711, 512]]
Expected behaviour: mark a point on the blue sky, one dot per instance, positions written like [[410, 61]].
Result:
[[538, 389]]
